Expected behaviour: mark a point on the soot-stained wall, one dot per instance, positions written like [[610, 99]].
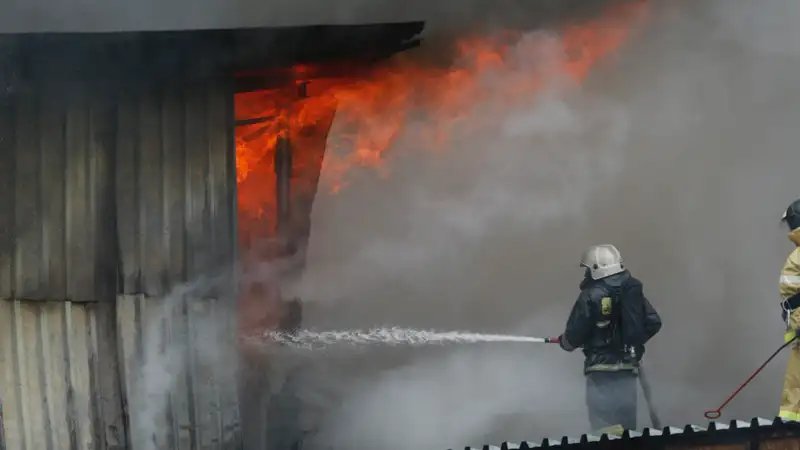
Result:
[[110, 187], [117, 184]]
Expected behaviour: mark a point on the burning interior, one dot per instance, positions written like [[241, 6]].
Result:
[[284, 117]]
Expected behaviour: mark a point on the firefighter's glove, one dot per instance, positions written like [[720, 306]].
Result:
[[564, 344], [789, 336]]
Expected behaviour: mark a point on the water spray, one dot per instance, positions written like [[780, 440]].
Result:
[[393, 336]]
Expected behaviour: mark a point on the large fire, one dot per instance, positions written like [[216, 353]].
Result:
[[372, 108]]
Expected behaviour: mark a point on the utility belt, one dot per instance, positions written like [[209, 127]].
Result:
[[624, 359], [791, 303], [787, 306], [618, 367]]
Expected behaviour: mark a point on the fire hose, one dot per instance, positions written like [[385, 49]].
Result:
[[648, 395], [717, 413]]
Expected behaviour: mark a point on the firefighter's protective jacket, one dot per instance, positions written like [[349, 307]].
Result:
[[790, 274], [589, 326], [790, 287]]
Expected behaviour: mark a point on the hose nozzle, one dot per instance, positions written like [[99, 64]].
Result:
[[553, 340]]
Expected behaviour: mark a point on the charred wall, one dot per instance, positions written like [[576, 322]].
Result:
[[175, 186], [111, 186], [117, 162], [117, 183]]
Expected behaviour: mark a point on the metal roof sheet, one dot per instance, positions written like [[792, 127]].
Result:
[[757, 428]]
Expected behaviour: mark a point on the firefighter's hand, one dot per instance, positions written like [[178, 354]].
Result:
[[564, 344], [789, 336], [639, 353]]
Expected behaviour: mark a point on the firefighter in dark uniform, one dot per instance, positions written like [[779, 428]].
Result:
[[611, 321]]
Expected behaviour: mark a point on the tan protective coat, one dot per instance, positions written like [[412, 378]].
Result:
[[789, 286]]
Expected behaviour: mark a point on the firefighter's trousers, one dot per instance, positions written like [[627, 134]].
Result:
[[790, 398], [611, 399]]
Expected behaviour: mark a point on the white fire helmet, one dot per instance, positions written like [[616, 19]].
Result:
[[602, 261]]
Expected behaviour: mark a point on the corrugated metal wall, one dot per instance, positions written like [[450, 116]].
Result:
[[45, 352], [144, 185], [56, 241], [110, 194], [175, 184], [132, 197], [179, 373], [175, 366]]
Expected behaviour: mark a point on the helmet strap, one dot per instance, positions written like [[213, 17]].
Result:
[[793, 221]]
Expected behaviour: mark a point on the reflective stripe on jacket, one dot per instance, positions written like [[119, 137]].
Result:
[[790, 274]]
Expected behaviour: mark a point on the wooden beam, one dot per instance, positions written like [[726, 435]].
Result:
[[254, 120]]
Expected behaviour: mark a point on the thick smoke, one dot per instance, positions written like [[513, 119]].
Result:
[[129, 15], [457, 240], [681, 152]]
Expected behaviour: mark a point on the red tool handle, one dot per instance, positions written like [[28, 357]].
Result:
[[717, 413]]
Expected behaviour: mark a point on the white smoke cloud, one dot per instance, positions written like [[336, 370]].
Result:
[[458, 240], [532, 165], [682, 153], [178, 339]]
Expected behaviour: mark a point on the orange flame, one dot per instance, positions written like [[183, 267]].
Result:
[[373, 110]]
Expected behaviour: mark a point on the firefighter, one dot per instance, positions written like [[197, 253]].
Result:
[[790, 293], [611, 321]]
